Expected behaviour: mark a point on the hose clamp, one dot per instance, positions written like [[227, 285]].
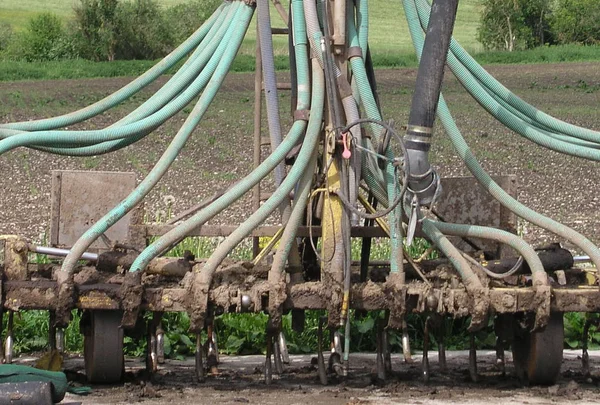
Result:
[[418, 138], [301, 115], [355, 52], [419, 130]]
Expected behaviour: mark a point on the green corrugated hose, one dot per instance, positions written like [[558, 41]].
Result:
[[220, 66], [480, 174], [126, 92]]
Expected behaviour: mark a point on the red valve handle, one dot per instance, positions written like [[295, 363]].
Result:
[[346, 154]]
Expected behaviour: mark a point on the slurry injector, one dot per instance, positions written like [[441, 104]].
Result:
[[342, 171]]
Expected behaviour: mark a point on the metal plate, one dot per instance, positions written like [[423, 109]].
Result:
[[463, 200], [80, 198]]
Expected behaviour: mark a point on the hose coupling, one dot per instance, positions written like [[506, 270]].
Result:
[[423, 181]]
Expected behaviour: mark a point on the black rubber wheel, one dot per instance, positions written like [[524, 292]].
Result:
[[538, 356], [103, 347]]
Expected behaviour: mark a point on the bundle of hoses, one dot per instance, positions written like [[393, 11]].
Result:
[[514, 113], [214, 47]]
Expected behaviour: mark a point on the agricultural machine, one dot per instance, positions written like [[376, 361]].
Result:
[[342, 171]]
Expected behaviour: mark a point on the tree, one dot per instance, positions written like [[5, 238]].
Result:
[[514, 24], [577, 21], [96, 24]]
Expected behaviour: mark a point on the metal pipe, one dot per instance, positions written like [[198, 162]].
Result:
[[581, 259], [50, 251]]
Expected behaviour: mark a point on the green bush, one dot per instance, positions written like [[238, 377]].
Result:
[[514, 24], [577, 21], [45, 39], [143, 31], [185, 18]]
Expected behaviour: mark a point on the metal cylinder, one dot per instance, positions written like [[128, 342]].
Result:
[[50, 251], [26, 393]]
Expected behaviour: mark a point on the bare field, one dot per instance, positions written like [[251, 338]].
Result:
[[240, 381], [220, 151]]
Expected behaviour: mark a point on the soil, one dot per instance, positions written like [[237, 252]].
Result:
[[240, 380], [219, 152]]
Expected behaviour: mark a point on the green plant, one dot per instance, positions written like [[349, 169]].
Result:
[[30, 330], [514, 24], [6, 35], [574, 324], [185, 18], [44, 39], [577, 21], [95, 28], [143, 31]]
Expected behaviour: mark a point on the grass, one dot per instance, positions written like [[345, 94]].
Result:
[[84, 69], [388, 51], [18, 12], [385, 16]]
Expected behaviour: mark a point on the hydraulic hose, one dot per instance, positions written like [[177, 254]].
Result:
[[419, 131], [472, 231], [480, 174], [233, 41], [129, 90], [506, 95]]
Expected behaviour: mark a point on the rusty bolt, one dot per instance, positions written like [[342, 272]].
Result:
[[246, 301], [508, 301], [432, 302]]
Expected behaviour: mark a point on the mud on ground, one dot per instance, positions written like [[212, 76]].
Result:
[[241, 381]]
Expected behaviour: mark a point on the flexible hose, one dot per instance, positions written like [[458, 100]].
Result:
[[497, 88], [362, 25], [270, 82], [472, 231], [469, 278], [480, 174], [96, 136], [372, 112], [232, 43], [129, 90], [513, 122], [304, 159], [419, 131], [192, 67], [239, 189]]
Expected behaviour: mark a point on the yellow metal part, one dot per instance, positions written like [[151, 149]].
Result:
[[332, 249], [265, 251]]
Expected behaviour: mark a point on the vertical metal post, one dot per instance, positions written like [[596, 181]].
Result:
[[257, 133], [282, 13], [51, 330], [199, 364]]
